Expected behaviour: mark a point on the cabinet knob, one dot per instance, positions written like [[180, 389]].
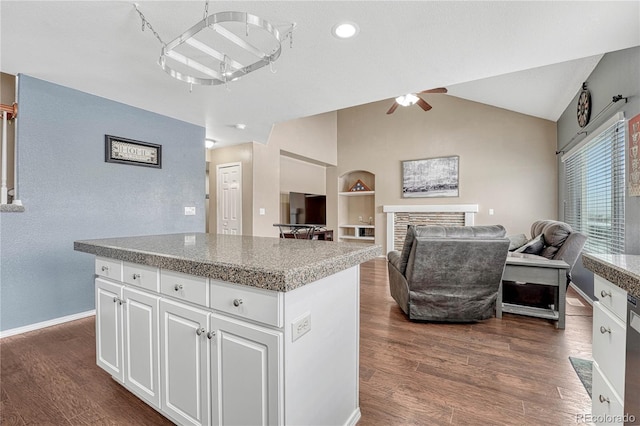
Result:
[[603, 399], [136, 276], [604, 329], [237, 302], [178, 287], [200, 330], [115, 299], [605, 293], [105, 268], [122, 302], [211, 335]]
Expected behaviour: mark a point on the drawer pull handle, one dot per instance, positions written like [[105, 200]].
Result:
[[136, 276], [603, 399], [178, 287], [237, 302], [199, 331], [604, 329], [605, 293], [211, 335], [105, 268]]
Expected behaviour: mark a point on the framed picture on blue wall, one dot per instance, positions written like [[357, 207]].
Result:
[[128, 151]]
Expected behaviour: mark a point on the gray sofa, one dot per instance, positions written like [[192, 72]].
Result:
[[550, 239], [449, 274]]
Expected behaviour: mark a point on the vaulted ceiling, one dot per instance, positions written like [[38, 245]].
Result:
[[529, 57]]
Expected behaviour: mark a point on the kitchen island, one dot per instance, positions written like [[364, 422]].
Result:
[[224, 329]]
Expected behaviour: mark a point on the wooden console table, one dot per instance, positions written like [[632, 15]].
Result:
[[535, 271]]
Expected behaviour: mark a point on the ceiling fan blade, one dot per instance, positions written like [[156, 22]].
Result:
[[423, 104], [436, 90], [393, 108]]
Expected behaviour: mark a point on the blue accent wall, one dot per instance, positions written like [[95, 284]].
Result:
[[71, 193]]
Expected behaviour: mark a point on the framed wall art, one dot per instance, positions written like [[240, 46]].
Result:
[[128, 151], [634, 156], [430, 177]]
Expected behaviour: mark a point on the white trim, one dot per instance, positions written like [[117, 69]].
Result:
[[619, 116], [431, 208], [581, 293], [45, 324]]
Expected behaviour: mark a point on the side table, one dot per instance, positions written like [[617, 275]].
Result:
[[536, 271]]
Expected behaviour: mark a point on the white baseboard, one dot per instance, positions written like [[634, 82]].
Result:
[[581, 293], [44, 324]]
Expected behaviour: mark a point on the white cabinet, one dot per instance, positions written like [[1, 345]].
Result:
[[109, 327], [609, 343], [140, 343], [184, 359], [127, 337], [246, 391], [207, 352]]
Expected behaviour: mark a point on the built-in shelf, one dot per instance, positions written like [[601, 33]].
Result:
[[356, 209], [356, 193]]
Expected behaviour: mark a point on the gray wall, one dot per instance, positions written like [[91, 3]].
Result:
[[616, 74], [70, 193]]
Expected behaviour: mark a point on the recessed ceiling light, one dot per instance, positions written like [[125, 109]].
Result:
[[345, 30]]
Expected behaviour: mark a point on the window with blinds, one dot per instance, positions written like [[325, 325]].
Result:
[[595, 188]]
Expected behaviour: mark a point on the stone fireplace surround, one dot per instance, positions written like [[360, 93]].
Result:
[[399, 216]]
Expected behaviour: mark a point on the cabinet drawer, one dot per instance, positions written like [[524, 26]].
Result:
[[247, 302], [611, 296], [605, 404], [141, 275], [609, 342], [109, 268], [184, 287]]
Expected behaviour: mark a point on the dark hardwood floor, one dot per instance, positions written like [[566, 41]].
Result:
[[499, 372]]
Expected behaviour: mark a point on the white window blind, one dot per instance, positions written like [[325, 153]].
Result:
[[595, 188]]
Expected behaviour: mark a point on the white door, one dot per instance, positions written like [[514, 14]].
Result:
[[229, 198], [246, 370], [109, 327], [184, 359], [140, 324]]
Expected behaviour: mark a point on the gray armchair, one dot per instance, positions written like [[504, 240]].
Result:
[[449, 274]]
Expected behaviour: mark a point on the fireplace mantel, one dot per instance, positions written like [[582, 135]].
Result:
[[468, 210]]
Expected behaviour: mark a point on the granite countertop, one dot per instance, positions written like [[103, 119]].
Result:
[[270, 263], [622, 270]]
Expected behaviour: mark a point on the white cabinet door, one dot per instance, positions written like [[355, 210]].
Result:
[[142, 359], [246, 371], [184, 361], [109, 327]]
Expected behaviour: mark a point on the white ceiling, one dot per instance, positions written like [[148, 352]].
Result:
[[529, 57]]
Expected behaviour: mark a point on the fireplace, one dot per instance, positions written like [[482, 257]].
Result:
[[399, 217]]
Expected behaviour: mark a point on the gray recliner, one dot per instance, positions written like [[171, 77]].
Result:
[[557, 241], [449, 274]]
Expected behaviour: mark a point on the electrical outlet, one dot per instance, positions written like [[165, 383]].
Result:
[[490, 212], [189, 211], [301, 326], [262, 211], [359, 218]]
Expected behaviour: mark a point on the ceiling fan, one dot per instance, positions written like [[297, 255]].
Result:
[[413, 98]]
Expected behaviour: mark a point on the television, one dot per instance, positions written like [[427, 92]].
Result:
[[307, 209]]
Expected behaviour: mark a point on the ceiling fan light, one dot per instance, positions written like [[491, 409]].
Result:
[[406, 100]]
